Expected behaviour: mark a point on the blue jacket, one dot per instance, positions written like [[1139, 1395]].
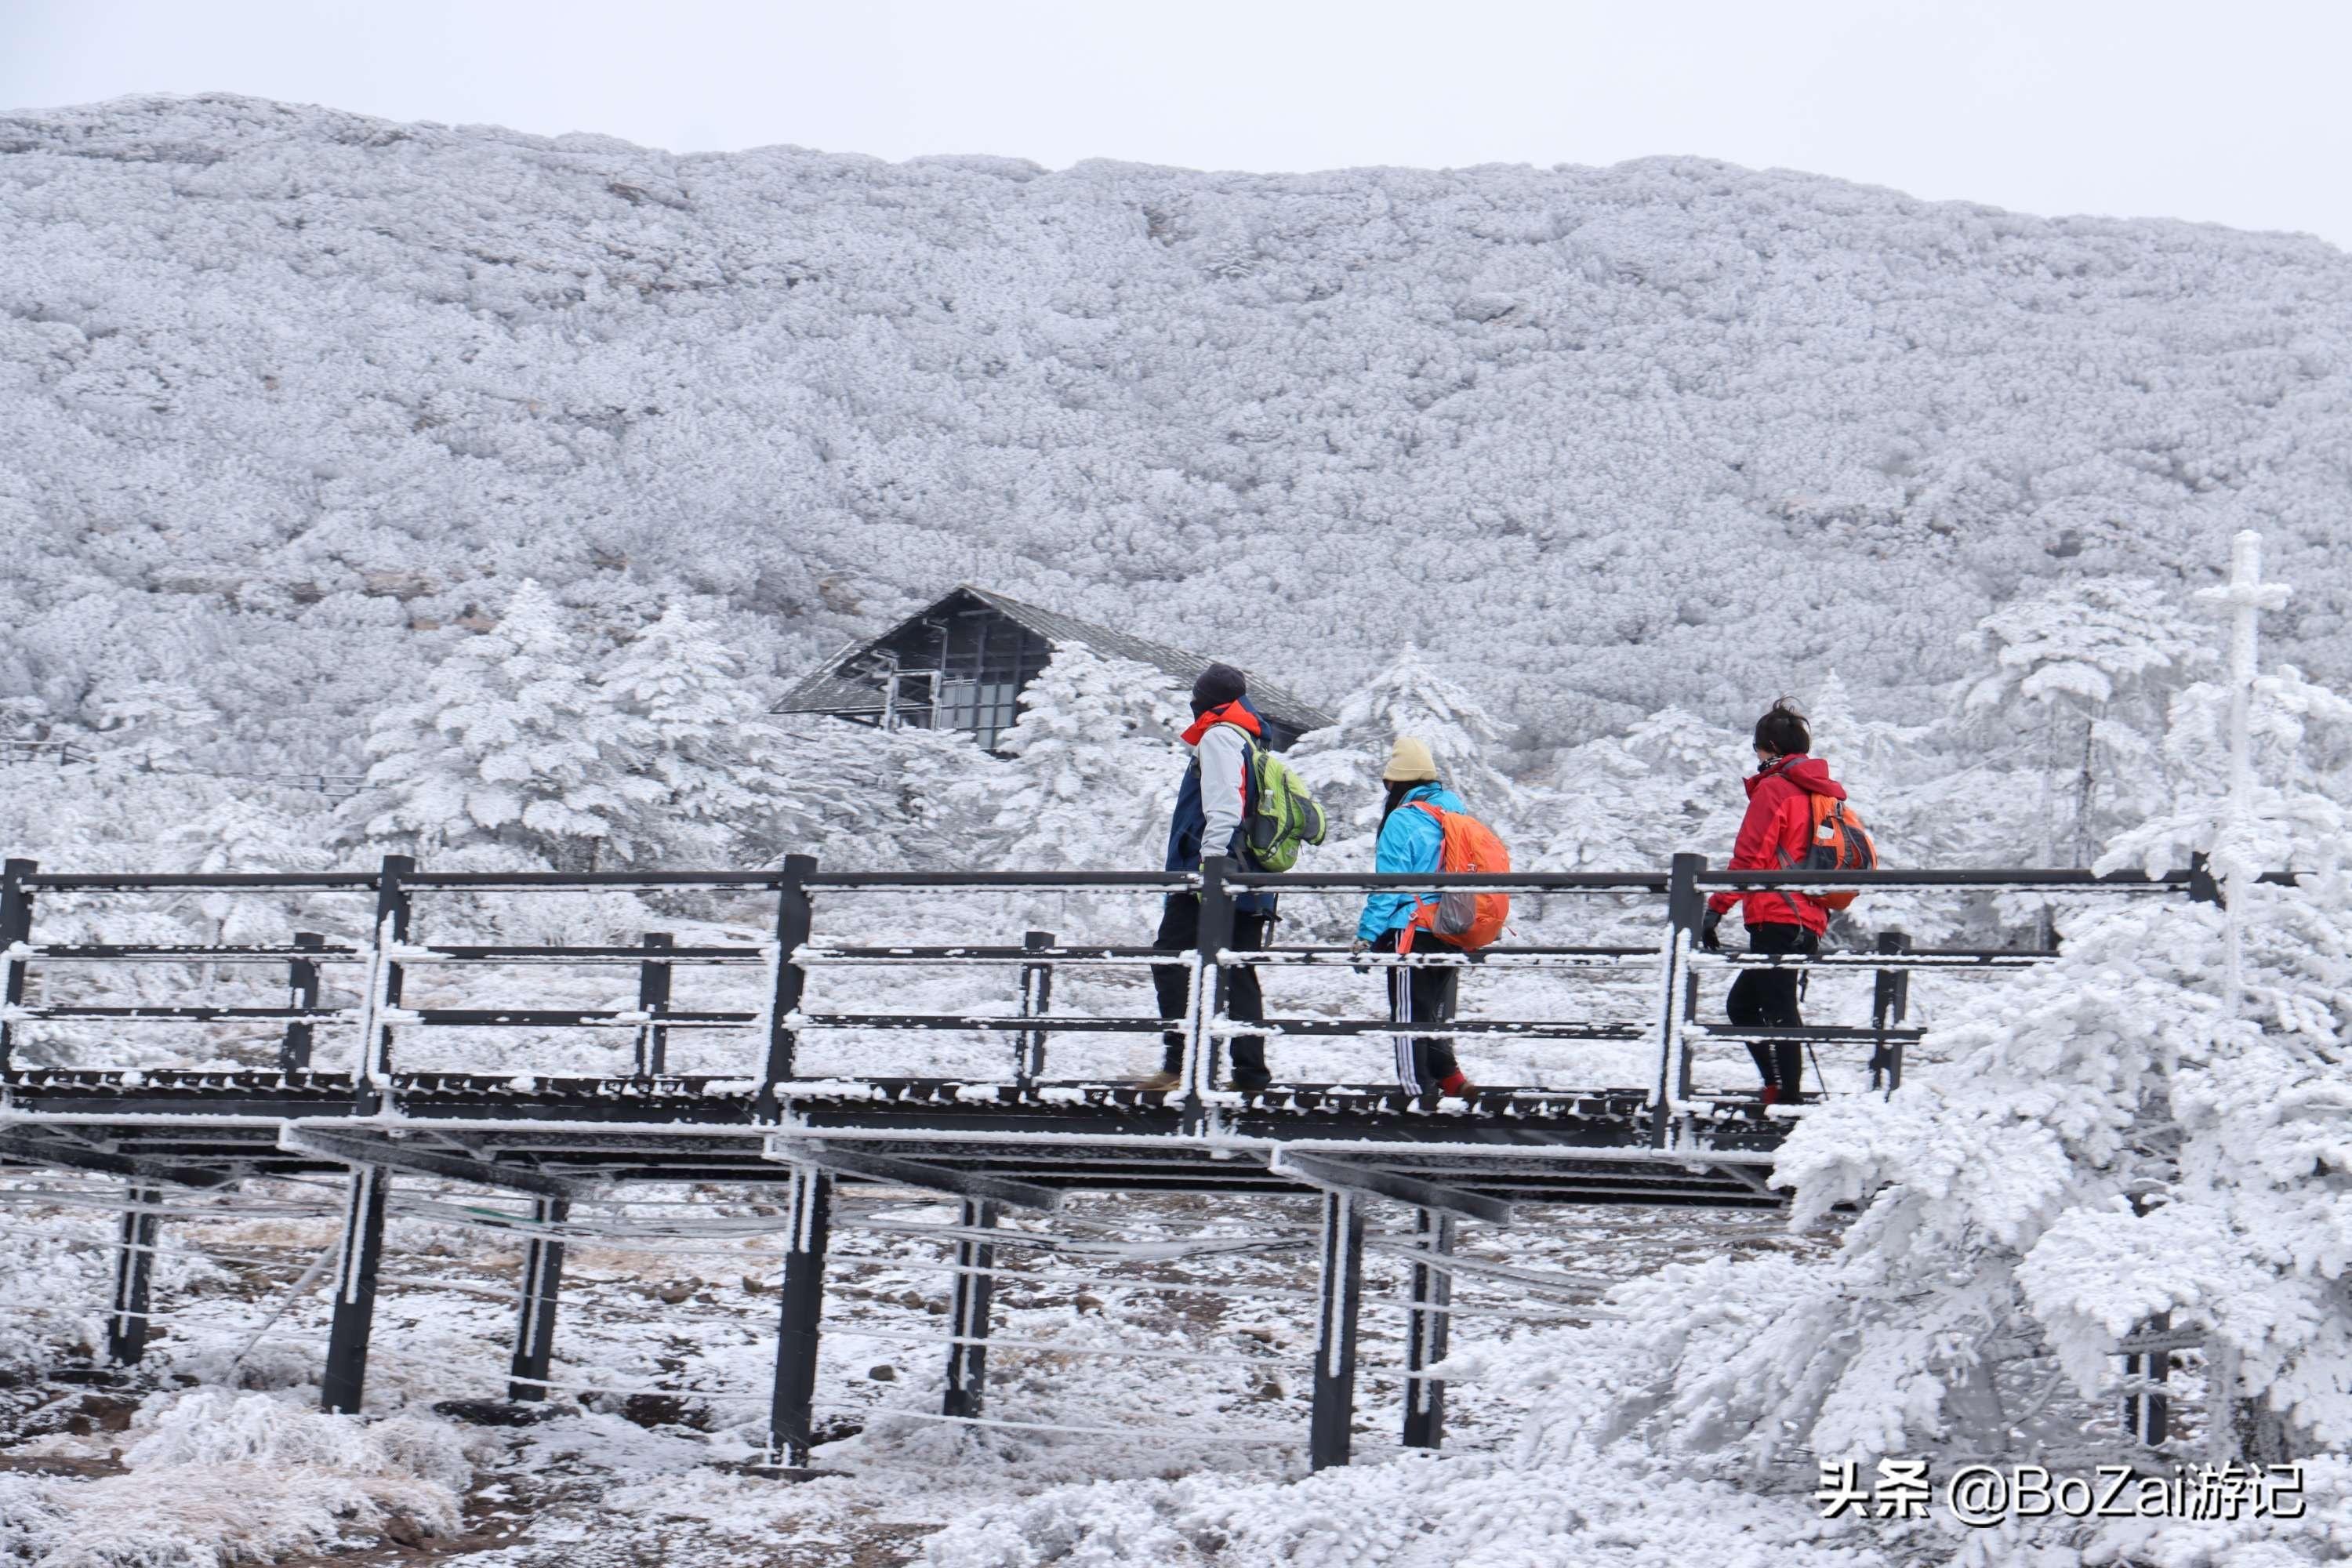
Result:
[[1410, 842], [1191, 819]]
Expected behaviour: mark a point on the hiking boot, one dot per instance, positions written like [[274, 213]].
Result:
[[1160, 1082]]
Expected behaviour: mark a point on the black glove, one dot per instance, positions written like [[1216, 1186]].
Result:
[[1710, 931], [1357, 951]]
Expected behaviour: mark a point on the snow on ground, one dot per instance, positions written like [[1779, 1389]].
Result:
[[663, 1354]]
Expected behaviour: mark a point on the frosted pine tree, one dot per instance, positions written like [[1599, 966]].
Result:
[[2083, 669], [1095, 763], [1692, 797], [1342, 763], [512, 744], [726, 788]]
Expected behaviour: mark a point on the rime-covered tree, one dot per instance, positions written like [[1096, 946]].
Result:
[[1343, 763], [1094, 761], [697, 730], [512, 743], [2086, 666]]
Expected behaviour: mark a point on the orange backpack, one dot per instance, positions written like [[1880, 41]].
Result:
[[1468, 919], [1840, 843]]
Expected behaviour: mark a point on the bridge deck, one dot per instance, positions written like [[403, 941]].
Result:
[[1538, 1145]]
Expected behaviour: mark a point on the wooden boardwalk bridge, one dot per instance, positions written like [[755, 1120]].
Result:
[[1016, 1141]]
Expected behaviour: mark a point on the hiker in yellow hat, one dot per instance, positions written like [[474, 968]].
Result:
[[1411, 841]]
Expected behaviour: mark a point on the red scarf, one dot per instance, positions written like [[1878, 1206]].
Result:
[[1231, 714]]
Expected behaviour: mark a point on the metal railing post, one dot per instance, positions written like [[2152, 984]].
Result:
[[795, 918], [15, 930], [372, 1083], [1208, 999], [1890, 997], [1036, 1001], [653, 1000], [1678, 998], [301, 990]]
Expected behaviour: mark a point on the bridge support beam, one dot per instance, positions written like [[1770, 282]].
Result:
[[968, 1322], [1426, 1331], [792, 1418], [542, 1282], [2147, 1412], [134, 1263], [345, 1380], [1332, 1433]]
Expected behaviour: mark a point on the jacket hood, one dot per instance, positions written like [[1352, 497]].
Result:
[[1238, 711], [1809, 773]]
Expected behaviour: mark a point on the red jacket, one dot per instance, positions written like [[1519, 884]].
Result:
[[1774, 835]]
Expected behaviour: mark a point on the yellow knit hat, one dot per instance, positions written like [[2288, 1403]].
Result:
[[1410, 762]]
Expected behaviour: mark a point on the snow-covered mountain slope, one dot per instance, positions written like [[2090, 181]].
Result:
[[280, 385]]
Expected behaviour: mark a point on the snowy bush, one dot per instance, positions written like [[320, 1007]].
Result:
[[218, 1478]]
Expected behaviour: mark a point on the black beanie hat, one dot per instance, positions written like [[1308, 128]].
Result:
[[1218, 685]]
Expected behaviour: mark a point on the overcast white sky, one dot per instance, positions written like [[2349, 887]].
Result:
[[2233, 112]]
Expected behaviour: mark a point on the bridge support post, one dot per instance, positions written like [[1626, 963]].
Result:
[[1332, 1433], [1678, 999], [134, 1265], [16, 930], [653, 1000], [392, 919], [2147, 1413], [795, 918], [1889, 1001], [968, 1322], [1426, 1329], [340, 1388], [542, 1282], [791, 1421], [301, 990], [1036, 1001]]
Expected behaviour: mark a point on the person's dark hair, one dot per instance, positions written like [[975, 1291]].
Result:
[[1783, 731], [1398, 790], [1218, 685]]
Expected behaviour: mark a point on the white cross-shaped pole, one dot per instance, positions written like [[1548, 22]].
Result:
[[2248, 597]]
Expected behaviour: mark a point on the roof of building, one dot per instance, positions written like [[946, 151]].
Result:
[[835, 688]]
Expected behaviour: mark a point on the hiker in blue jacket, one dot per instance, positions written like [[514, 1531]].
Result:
[[1211, 803], [1412, 842]]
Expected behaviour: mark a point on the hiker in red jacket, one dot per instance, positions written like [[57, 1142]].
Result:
[[1775, 833]]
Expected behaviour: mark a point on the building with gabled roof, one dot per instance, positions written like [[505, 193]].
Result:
[[963, 663]]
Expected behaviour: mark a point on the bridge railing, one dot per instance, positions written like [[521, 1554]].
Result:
[[770, 1066]]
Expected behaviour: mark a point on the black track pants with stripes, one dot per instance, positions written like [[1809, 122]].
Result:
[[1422, 996]]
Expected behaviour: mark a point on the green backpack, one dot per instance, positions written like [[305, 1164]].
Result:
[[1282, 816]]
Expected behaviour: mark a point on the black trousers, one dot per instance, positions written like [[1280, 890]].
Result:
[[1422, 996], [1180, 931], [1766, 999]]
